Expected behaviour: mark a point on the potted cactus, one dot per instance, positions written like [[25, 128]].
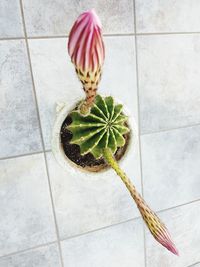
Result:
[[94, 133]]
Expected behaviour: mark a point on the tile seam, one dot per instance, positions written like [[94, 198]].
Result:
[[28, 249], [25, 155], [193, 265], [93, 231], [41, 135], [141, 135], [171, 129], [126, 221], [139, 126], [106, 35], [21, 155]]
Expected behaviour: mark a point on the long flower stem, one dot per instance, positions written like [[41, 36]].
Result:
[[153, 222]]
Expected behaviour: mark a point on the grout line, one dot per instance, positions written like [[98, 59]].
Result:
[[141, 135], [119, 34], [138, 99], [47, 37], [41, 134], [60, 36], [25, 155], [165, 33], [101, 228], [27, 250], [194, 264], [54, 212], [105, 35], [138, 104], [22, 155], [126, 221], [48, 150], [95, 230], [171, 129], [11, 38], [66, 35], [178, 206]]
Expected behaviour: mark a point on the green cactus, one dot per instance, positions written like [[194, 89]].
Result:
[[102, 128], [101, 133]]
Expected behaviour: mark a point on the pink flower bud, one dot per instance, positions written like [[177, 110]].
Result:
[[86, 49]]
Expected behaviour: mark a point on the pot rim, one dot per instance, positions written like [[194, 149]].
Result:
[[62, 110]]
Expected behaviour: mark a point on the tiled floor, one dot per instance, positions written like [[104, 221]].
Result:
[[49, 217]]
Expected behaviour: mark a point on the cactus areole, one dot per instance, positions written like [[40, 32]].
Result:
[[98, 126]]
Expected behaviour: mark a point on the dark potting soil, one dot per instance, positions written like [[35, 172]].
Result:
[[87, 161]]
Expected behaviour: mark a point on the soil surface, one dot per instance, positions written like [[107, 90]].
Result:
[[88, 161]]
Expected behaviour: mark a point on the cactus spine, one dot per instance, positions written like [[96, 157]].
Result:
[[153, 222], [101, 132], [103, 127]]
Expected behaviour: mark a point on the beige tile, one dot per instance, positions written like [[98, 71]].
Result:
[[169, 73], [85, 203], [50, 17], [183, 223], [10, 19], [170, 163], [19, 132], [55, 78], [40, 257], [26, 213], [120, 245], [168, 16]]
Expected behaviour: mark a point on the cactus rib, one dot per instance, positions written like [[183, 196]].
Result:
[[103, 127]]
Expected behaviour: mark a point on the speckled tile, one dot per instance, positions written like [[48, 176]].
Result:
[[19, 132], [10, 19], [169, 70], [40, 257], [120, 245], [168, 16], [26, 213], [50, 17], [55, 77], [171, 163], [183, 224], [85, 203]]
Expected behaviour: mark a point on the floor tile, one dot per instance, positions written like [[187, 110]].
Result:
[[40, 257], [119, 73], [19, 132], [55, 78], [168, 16], [170, 163], [183, 223], [169, 70], [85, 203], [52, 17], [26, 214], [120, 245], [10, 27]]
